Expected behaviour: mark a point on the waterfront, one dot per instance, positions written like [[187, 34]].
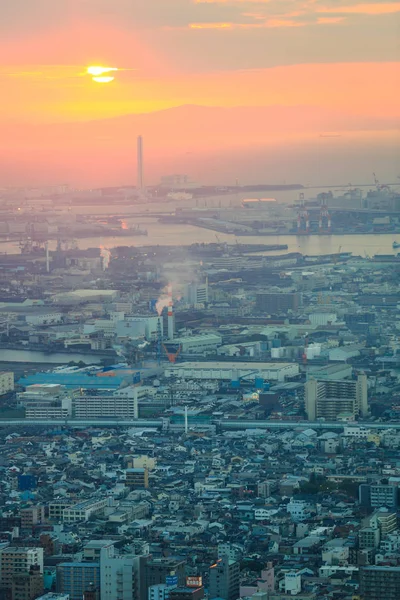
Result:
[[177, 234], [52, 358]]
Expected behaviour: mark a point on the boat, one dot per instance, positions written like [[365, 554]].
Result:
[[396, 245]]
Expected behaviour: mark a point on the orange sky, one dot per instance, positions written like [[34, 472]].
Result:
[[334, 55]]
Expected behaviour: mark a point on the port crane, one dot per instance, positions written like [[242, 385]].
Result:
[[303, 218], [325, 223], [379, 186]]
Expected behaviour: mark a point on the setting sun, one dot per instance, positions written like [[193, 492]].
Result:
[[96, 71], [103, 79]]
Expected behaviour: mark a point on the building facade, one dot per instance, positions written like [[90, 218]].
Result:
[[84, 510], [380, 583], [137, 478], [74, 578], [157, 570], [6, 382], [16, 562], [224, 579], [93, 407], [273, 303], [333, 399]]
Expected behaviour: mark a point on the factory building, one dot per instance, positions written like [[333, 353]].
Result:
[[139, 326], [197, 344], [273, 303], [232, 371], [196, 293], [84, 296], [336, 399]]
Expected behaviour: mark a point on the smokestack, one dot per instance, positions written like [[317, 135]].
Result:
[[47, 258], [170, 314], [186, 420], [170, 322], [135, 404], [140, 162]]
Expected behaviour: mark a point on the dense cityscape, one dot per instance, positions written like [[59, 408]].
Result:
[[199, 300], [215, 420]]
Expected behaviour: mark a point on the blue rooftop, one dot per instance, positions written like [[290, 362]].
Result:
[[77, 380]]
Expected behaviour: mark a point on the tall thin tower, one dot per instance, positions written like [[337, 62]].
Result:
[[140, 162]]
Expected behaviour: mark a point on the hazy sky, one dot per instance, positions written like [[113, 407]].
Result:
[[334, 55]]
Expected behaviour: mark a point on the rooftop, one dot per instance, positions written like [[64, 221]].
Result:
[[251, 366]]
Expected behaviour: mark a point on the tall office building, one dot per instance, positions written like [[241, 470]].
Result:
[[332, 399], [224, 579], [140, 163], [380, 583]]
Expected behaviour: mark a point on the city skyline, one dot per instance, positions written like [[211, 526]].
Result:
[[337, 59]]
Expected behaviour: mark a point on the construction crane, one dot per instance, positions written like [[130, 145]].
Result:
[[235, 383]]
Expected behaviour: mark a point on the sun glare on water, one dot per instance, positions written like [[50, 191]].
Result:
[[100, 74]]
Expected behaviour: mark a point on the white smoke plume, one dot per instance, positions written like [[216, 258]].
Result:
[[162, 302], [106, 255]]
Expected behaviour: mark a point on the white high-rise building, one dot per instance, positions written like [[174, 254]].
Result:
[[196, 293], [332, 399], [118, 575]]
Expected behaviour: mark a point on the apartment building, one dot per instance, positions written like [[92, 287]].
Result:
[[377, 495], [93, 407], [26, 586], [225, 579], [16, 561], [380, 583], [75, 578], [137, 478], [332, 400], [6, 382]]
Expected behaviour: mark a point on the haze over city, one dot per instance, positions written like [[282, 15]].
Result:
[[261, 91], [199, 300]]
